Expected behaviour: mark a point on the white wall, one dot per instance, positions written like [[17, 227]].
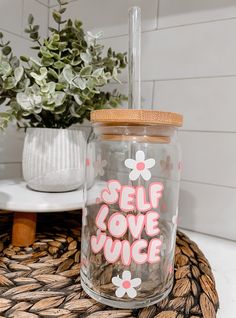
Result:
[[188, 66], [13, 20]]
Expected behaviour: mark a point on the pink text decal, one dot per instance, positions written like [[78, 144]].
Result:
[[119, 234]]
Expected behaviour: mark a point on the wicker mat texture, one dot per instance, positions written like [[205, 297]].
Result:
[[43, 280]]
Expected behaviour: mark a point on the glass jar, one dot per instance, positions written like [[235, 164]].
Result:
[[130, 218]]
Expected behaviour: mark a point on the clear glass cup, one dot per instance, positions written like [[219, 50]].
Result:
[[130, 217]]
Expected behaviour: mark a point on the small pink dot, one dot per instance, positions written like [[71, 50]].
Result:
[[140, 166], [126, 284], [98, 200], [117, 223], [87, 162]]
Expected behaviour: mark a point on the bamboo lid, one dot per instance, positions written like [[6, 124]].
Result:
[[136, 117]]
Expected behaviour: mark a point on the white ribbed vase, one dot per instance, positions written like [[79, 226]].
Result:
[[54, 159]]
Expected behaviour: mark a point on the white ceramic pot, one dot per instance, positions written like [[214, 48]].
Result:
[[54, 159]]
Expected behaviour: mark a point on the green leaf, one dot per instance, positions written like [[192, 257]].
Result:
[[35, 28], [36, 62], [55, 38], [87, 70], [45, 52], [18, 73], [68, 74], [24, 58], [34, 36], [62, 2], [59, 65], [79, 82], [6, 50], [30, 19], [86, 58], [62, 10], [10, 83], [56, 16], [52, 29], [53, 73], [5, 68], [1, 35]]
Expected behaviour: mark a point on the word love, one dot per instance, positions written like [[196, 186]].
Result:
[[118, 223], [132, 198]]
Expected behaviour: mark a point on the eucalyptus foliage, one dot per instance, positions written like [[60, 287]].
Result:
[[63, 85]]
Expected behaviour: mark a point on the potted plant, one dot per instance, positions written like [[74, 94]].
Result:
[[50, 93]]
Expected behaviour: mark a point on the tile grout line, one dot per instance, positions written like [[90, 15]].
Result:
[[43, 4], [208, 183], [15, 34], [170, 27], [196, 23]]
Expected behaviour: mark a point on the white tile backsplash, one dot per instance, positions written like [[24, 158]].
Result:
[[200, 50], [10, 170], [40, 14], [208, 104], [115, 21], [146, 89], [209, 157], [181, 12], [11, 144], [208, 209], [11, 15]]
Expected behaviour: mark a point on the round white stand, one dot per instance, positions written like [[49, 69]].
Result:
[[16, 196]]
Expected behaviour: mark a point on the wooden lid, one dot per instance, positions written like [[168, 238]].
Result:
[[136, 117]]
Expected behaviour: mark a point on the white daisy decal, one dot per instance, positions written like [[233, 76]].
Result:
[[126, 285], [140, 166], [100, 164]]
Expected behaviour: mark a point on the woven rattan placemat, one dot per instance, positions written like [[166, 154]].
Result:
[[43, 280]]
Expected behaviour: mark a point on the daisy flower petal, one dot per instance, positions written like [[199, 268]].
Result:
[[140, 156], [117, 281], [126, 275], [135, 282], [149, 163], [134, 174], [120, 292], [131, 292], [130, 163], [146, 174]]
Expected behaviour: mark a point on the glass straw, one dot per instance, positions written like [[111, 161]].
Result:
[[134, 57]]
